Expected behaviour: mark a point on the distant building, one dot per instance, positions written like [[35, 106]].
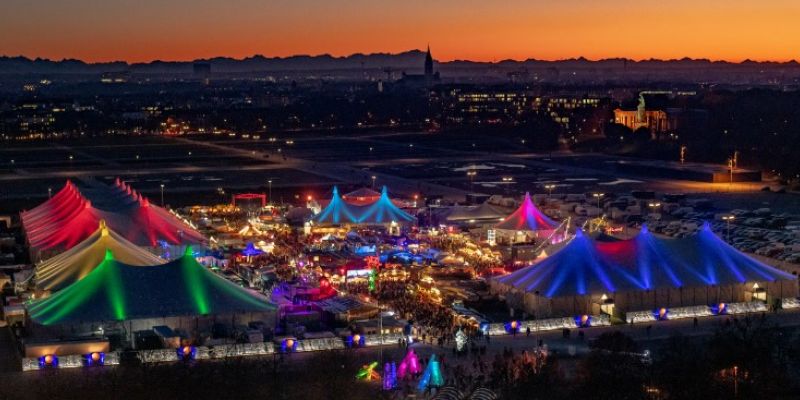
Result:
[[427, 79], [660, 121], [490, 105], [577, 114], [115, 77]]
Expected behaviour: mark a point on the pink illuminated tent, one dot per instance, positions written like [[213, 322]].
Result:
[[527, 218], [74, 214]]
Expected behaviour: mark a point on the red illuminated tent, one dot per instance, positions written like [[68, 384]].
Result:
[[527, 218], [74, 214]]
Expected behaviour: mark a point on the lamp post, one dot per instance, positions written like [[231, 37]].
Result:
[[549, 188], [269, 183], [728, 219], [598, 196], [730, 168], [49, 193], [654, 205], [373, 181], [162, 195], [683, 153], [471, 175]]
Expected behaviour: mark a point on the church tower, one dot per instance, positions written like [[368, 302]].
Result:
[[428, 65]]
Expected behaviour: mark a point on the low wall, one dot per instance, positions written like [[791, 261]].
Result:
[[208, 352], [635, 317], [549, 324]]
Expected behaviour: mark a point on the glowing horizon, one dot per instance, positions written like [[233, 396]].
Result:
[[183, 30]]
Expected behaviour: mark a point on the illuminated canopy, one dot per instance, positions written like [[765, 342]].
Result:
[[527, 218], [336, 212], [72, 265], [73, 214], [645, 262], [483, 212], [115, 292], [382, 211]]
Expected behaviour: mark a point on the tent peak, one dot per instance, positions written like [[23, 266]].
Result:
[[109, 255], [189, 252], [103, 228]]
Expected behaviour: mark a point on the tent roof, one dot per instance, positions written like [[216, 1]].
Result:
[[645, 262], [73, 214], [484, 211], [362, 197], [384, 211], [527, 218], [380, 212], [72, 265], [336, 212], [115, 292]]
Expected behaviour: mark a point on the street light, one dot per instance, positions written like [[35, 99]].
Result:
[[49, 193], [269, 182], [653, 206], [373, 181], [728, 219], [471, 175], [730, 168], [162, 195], [549, 188], [598, 196]]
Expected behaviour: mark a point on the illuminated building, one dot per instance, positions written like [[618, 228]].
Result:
[[484, 106]]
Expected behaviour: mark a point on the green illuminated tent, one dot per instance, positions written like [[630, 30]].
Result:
[[117, 292]]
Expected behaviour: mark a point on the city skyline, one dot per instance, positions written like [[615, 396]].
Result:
[[122, 30]]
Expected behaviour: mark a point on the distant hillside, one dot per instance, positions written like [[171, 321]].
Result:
[[409, 61]]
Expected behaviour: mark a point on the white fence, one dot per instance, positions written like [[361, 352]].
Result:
[[636, 317]]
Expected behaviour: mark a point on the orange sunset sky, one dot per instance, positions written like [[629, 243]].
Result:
[[486, 30]]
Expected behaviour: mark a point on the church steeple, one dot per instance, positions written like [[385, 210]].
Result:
[[428, 63]]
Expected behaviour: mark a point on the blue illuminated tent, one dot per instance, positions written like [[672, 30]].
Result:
[[643, 263], [336, 212], [384, 211]]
